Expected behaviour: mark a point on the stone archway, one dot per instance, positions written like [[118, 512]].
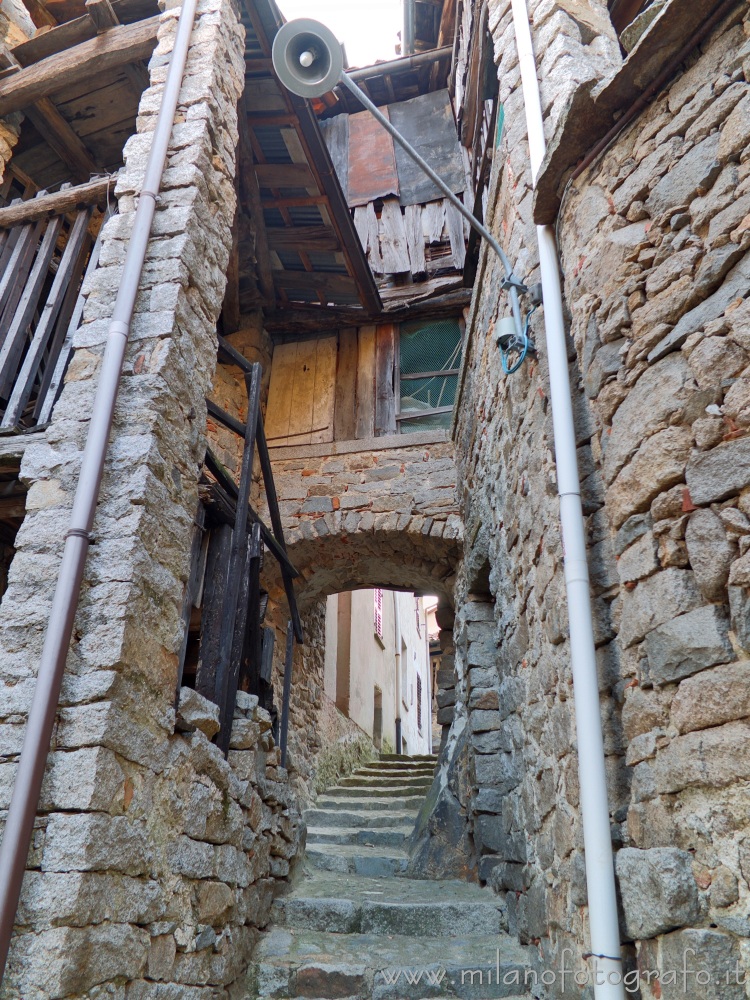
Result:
[[387, 517]]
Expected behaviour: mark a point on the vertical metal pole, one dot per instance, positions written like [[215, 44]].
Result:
[[237, 559], [408, 40], [20, 820], [287, 691]]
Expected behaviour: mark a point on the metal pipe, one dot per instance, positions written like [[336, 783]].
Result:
[[511, 283], [397, 653], [600, 878], [20, 822], [408, 46], [288, 663], [405, 63]]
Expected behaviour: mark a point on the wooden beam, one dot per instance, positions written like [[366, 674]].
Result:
[[40, 15], [110, 50], [74, 32], [58, 203], [281, 175], [104, 16], [301, 202], [303, 321], [102, 13], [58, 134], [320, 238], [333, 284], [249, 188], [55, 130]]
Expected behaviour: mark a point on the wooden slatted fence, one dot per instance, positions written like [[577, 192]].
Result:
[[47, 246]]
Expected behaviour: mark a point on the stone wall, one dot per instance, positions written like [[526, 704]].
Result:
[[358, 514], [654, 241], [153, 858], [382, 513]]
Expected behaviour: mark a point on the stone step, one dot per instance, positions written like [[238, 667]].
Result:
[[349, 904], [355, 799], [380, 791], [365, 819], [293, 963], [354, 859], [387, 836], [395, 772], [432, 757], [385, 781]]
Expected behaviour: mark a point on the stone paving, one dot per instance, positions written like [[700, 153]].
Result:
[[356, 928]]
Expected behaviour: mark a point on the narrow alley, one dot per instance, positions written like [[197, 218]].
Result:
[[356, 926]]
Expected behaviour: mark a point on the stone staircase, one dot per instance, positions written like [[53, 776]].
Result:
[[355, 928]]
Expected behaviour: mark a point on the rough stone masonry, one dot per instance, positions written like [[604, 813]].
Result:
[[154, 858], [654, 238]]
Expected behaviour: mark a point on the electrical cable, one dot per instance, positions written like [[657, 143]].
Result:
[[524, 346]]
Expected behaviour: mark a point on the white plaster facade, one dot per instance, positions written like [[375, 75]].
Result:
[[361, 670]]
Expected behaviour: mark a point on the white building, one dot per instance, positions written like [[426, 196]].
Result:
[[377, 666]]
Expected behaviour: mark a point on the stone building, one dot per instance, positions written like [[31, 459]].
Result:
[[166, 824]]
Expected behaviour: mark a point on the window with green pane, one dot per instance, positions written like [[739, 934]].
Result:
[[429, 359]]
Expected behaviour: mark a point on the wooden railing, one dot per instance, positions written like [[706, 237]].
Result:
[[235, 649], [46, 248]]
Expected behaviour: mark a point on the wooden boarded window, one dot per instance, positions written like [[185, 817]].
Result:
[[429, 361], [302, 392]]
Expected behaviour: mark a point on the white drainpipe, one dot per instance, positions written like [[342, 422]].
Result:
[[397, 629], [600, 878]]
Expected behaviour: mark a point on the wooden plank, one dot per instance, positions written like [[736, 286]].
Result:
[[325, 391], [366, 383], [217, 570], [366, 224], [372, 160], [78, 30], [300, 238], [113, 48], [336, 134], [415, 238], [104, 16], [278, 529], [53, 377], [385, 396], [39, 14], [192, 588], [226, 671], [455, 225], [56, 131], [266, 658], [13, 336], [427, 123], [333, 285], [279, 407], [20, 274], [284, 175], [393, 242], [251, 192], [24, 382], [301, 422], [345, 412], [102, 13], [263, 95], [433, 221]]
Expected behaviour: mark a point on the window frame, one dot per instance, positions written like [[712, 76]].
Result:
[[398, 377]]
